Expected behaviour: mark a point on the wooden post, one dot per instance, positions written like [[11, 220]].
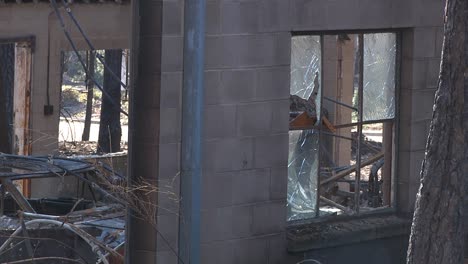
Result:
[[22, 104]]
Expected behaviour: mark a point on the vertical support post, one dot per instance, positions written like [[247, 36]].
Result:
[[192, 125], [144, 126], [22, 104], [387, 167], [357, 181]]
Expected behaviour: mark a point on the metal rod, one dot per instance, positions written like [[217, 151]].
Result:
[[359, 127], [319, 124], [192, 124], [340, 103]]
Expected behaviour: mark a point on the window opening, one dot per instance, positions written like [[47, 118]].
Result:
[[342, 111], [81, 118]]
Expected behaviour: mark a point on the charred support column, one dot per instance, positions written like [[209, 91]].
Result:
[[192, 124], [144, 121]]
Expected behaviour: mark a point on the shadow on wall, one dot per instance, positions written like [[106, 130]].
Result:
[[382, 251]]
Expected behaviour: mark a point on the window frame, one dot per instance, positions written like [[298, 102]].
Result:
[[395, 120]]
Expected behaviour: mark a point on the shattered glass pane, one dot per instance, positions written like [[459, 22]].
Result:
[[305, 64], [303, 144], [302, 174], [379, 76]]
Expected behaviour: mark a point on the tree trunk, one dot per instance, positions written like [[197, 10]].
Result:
[[89, 98], [110, 131], [437, 230], [7, 68]]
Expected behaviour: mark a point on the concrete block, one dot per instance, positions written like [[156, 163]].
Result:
[[278, 183], [405, 105], [173, 54], [273, 83], [280, 116], [220, 121], [151, 62], [248, 50], [171, 89], [278, 253], [422, 104], [429, 13], [372, 13], [226, 223], [169, 196], [223, 51], [419, 74], [217, 190], [242, 218], [239, 17], [424, 42], [229, 154], [402, 13], [172, 18], [417, 158], [212, 87], [433, 70], [237, 86], [271, 151], [250, 186], [439, 41], [403, 168], [419, 133], [406, 74], [152, 18], [344, 14], [5, 14], [273, 16], [168, 227], [169, 159], [146, 169], [148, 132], [407, 43], [214, 225], [254, 119], [143, 256], [251, 251], [213, 23], [308, 14], [403, 202], [166, 256], [170, 125], [404, 136], [152, 83], [217, 252], [141, 228], [269, 218]]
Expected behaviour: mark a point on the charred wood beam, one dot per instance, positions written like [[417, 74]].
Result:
[[352, 169]]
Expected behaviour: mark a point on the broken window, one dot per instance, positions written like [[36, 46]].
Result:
[[342, 121]]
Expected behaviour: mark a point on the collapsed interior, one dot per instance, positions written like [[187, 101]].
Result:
[[342, 116]]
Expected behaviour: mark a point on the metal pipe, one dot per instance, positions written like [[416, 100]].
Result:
[[192, 125]]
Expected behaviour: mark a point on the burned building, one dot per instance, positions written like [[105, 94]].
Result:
[[316, 115]]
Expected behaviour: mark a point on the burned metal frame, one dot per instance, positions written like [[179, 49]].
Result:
[[54, 167]]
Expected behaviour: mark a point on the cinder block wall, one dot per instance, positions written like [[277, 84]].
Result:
[[246, 112], [246, 129]]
